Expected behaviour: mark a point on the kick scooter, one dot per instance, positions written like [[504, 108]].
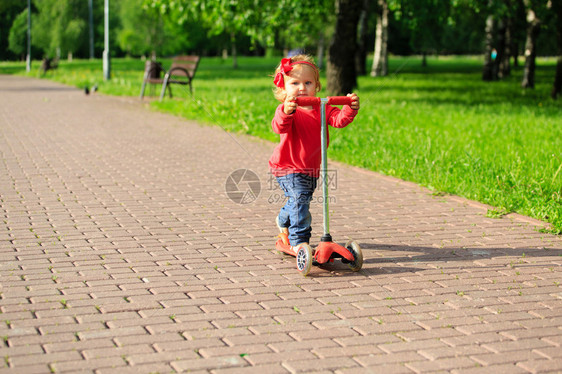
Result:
[[327, 250]]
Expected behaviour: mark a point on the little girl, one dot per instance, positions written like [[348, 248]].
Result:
[[296, 160]]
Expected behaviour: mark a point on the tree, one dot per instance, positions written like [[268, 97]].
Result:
[[502, 47], [533, 28], [42, 29], [9, 11], [508, 28], [516, 30], [425, 20], [229, 17], [60, 27], [362, 36], [463, 30], [176, 26], [268, 24], [143, 29], [489, 71], [380, 59], [341, 74], [499, 36], [290, 24], [17, 39]]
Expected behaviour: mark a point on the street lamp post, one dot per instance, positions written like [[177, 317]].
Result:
[[91, 27], [106, 57], [28, 57]]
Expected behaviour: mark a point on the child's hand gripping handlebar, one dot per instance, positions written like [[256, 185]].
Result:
[[332, 100]]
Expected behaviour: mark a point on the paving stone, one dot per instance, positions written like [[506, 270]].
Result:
[[209, 363], [327, 364], [490, 359], [401, 358], [144, 368], [499, 369], [276, 368], [542, 366], [443, 364], [384, 368]]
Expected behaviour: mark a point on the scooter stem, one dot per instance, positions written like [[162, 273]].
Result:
[[324, 170]]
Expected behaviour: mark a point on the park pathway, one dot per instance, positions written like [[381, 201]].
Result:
[[121, 252]]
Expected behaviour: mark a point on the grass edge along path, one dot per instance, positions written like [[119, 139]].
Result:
[[439, 126]]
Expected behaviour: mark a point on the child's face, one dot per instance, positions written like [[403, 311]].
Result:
[[301, 81]]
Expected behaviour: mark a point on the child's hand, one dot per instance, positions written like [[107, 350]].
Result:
[[354, 101], [289, 106]]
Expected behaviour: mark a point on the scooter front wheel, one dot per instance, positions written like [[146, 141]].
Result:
[[355, 249], [304, 259]]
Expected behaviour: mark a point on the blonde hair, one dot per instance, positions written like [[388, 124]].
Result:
[[279, 92]]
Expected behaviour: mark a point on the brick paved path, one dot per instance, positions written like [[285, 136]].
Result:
[[121, 253]]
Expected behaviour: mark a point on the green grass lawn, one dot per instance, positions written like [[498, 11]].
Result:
[[439, 126]]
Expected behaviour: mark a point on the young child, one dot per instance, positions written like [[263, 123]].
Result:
[[296, 160]]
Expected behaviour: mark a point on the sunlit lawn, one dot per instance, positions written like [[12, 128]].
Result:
[[439, 126]]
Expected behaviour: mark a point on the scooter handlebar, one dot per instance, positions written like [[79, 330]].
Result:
[[339, 100], [307, 101], [332, 100]]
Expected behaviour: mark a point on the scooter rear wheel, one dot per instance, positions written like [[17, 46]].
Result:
[[355, 249], [304, 259]]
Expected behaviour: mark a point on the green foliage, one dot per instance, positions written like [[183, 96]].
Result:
[[439, 126], [425, 20], [266, 22], [169, 27], [146, 30], [59, 27], [463, 31], [9, 11], [298, 24], [17, 39]]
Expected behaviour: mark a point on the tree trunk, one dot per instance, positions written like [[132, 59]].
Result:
[[320, 51], [515, 54], [533, 27], [361, 53], [557, 87], [489, 72], [380, 60], [234, 51], [341, 74], [505, 61]]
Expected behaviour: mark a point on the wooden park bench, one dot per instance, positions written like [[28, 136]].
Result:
[[181, 72]]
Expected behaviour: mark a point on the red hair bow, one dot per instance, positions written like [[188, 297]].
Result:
[[286, 67]]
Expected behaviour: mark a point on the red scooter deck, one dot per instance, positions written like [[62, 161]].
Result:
[[322, 254], [283, 245]]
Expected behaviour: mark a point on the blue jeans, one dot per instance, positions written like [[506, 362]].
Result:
[[295, 215]]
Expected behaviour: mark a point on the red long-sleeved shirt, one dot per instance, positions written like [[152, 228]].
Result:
[[300, 148]]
